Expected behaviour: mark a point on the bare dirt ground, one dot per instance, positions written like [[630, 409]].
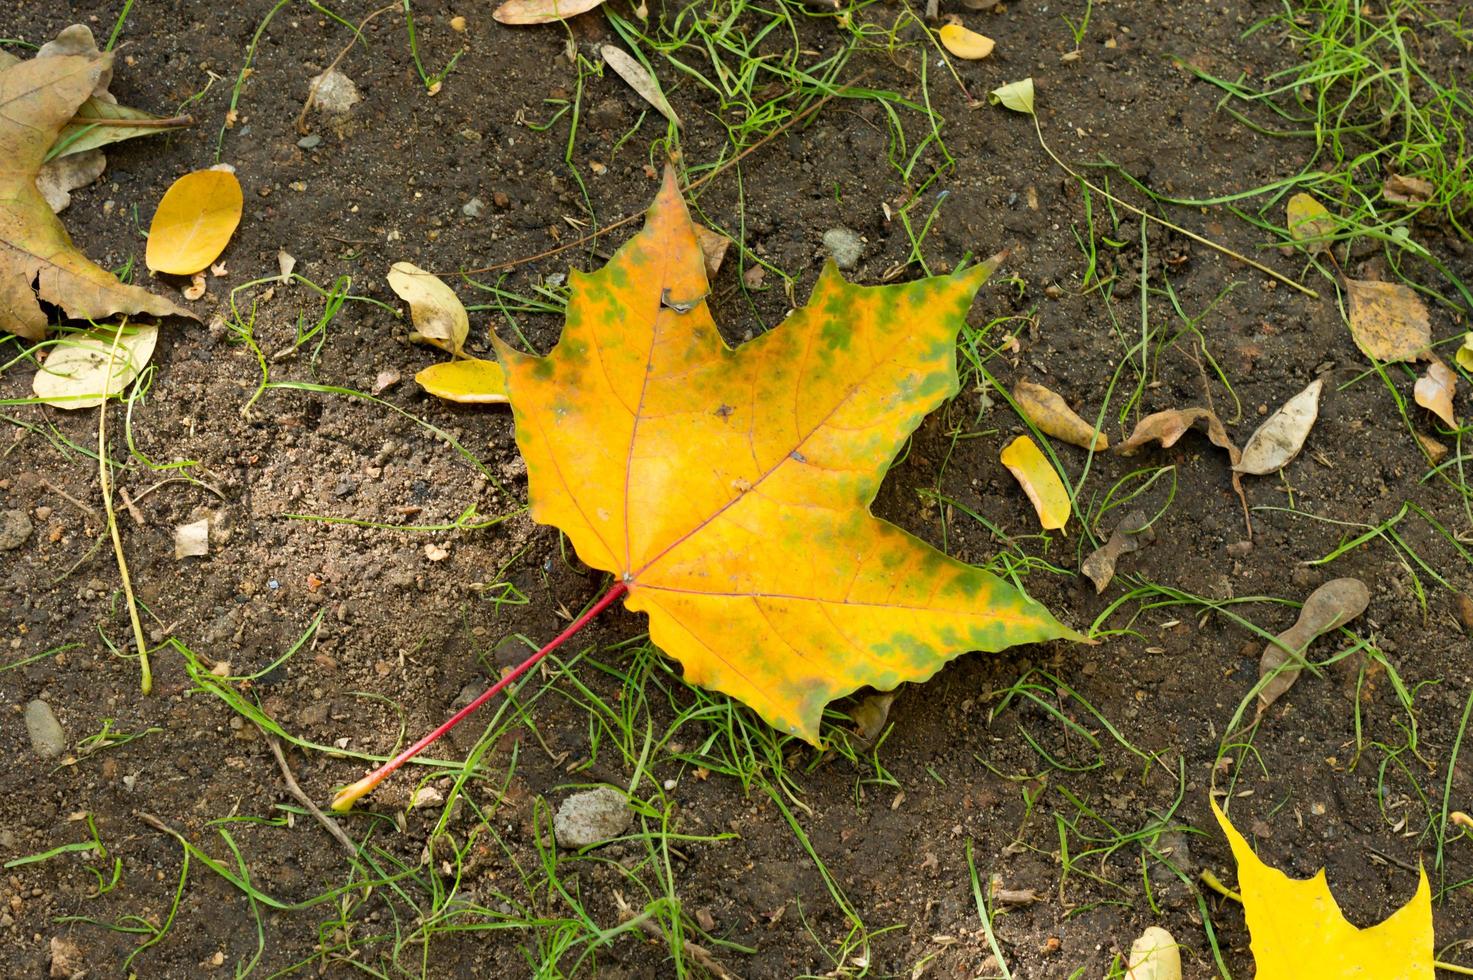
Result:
[[1081, 773]]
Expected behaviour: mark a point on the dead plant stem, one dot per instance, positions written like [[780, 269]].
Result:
[[104, 477]]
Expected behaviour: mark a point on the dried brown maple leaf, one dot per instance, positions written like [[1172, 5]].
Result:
[[37, 257]]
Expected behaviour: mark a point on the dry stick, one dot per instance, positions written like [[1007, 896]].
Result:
[[173, 122], [103, 477], [328, 823], [693, 185], [1167, 224], [349, 795], [317, 83], [697, 952]]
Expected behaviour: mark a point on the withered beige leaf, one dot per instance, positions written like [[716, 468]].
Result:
[[1388, 320], [1400, 189], [713, 248], [59, 177], [627, 67], [1169, 426], [1130, 534], [37, 97], [1434, 391], [1309, 223], [1328, 608], [438, 315], [1053, 416], [541, 11], [1281, 436], [85, 369], [1155, 955]]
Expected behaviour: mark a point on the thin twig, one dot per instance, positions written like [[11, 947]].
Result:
[[85, 508], [697, 952], [105, 478], [693, 185], [328, 823], [317, 83], [133, 510]]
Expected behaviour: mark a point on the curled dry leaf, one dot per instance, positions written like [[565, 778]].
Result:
[[1053, 416], [192, 540], [1434, 391], [627, 67], [1169, 426], [1434, 449], [1017, 96], [1154, 956], [1399, 189], [1129, 536], [713, 248], [541, 11], [197, 287], [870, 713], [1328, 608], [1279, 439], [1039, 480], [1388, 320], [1464, 356], [59, 177], [1309, 223], [83, 370], [286, 262], [194, 222], [1298, 933], [471, 381], [965, 44], [438, 315]]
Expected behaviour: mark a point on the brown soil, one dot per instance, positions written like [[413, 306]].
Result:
[[402, 638]]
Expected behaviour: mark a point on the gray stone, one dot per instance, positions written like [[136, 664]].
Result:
[[15, 528], [844, 246], [310, 141], [473, 208], [336, 93], [47, 738], [592, 817]]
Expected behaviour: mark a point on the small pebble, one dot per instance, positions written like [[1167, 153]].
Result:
[[15, 529], [592, 817], [309, 142], [472, 208], [48, 740], [844, 246]]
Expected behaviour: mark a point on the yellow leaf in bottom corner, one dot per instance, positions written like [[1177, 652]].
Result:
[[1298, 932], [471, 382], [1040, 481]]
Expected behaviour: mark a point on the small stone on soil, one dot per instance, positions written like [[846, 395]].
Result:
[[309, 142], [66, 958], [844, 246], [473, 208], [592, 817], [47, 737], [336, 93], [15, 528]]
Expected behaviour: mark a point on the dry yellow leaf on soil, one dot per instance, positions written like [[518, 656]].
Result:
[[1309, 223], [472, 381], [1275, 443], [438, 315], [1053, 417], [729, 490], [194, 222], [1040, 481], [1299, 933], [1017, 96], [1434, 391], [965, 44], [638, 77], [83, 370], [713, 248], [541, 11], [1388, 320], [1155, 955], [1464, 356], [37, 258]]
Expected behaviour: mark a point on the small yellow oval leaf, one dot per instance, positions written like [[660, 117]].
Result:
[[194, 222], [965, 44], [1310, 223], [1464, 356], [1053, 417], [439, 316], [470, 382], [1040, 481]]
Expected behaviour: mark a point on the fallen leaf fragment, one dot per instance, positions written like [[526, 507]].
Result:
[[713, 248], [439, 317], [285, 262], [385, 380], [58, 178], [1169, 426], [965, 44], [1434, 449], [1388, 320], [1278, 440], [541, 11], [435, 552], [1434, 391], [1040, 481], [1129, 535], [728, 490], [1017, 96], [1053, 417], [197, 287], [194, 221], [870, 713], [1400, 189], [1328, 607], [37, 97], [1309, 223], [1464, 356], [472, 381], [83, 370], [1154, 956], [1297, 931], [627, 67], [192, 540]]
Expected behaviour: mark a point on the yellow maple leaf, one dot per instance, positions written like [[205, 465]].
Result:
[[729, 490], [1298, 932]]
